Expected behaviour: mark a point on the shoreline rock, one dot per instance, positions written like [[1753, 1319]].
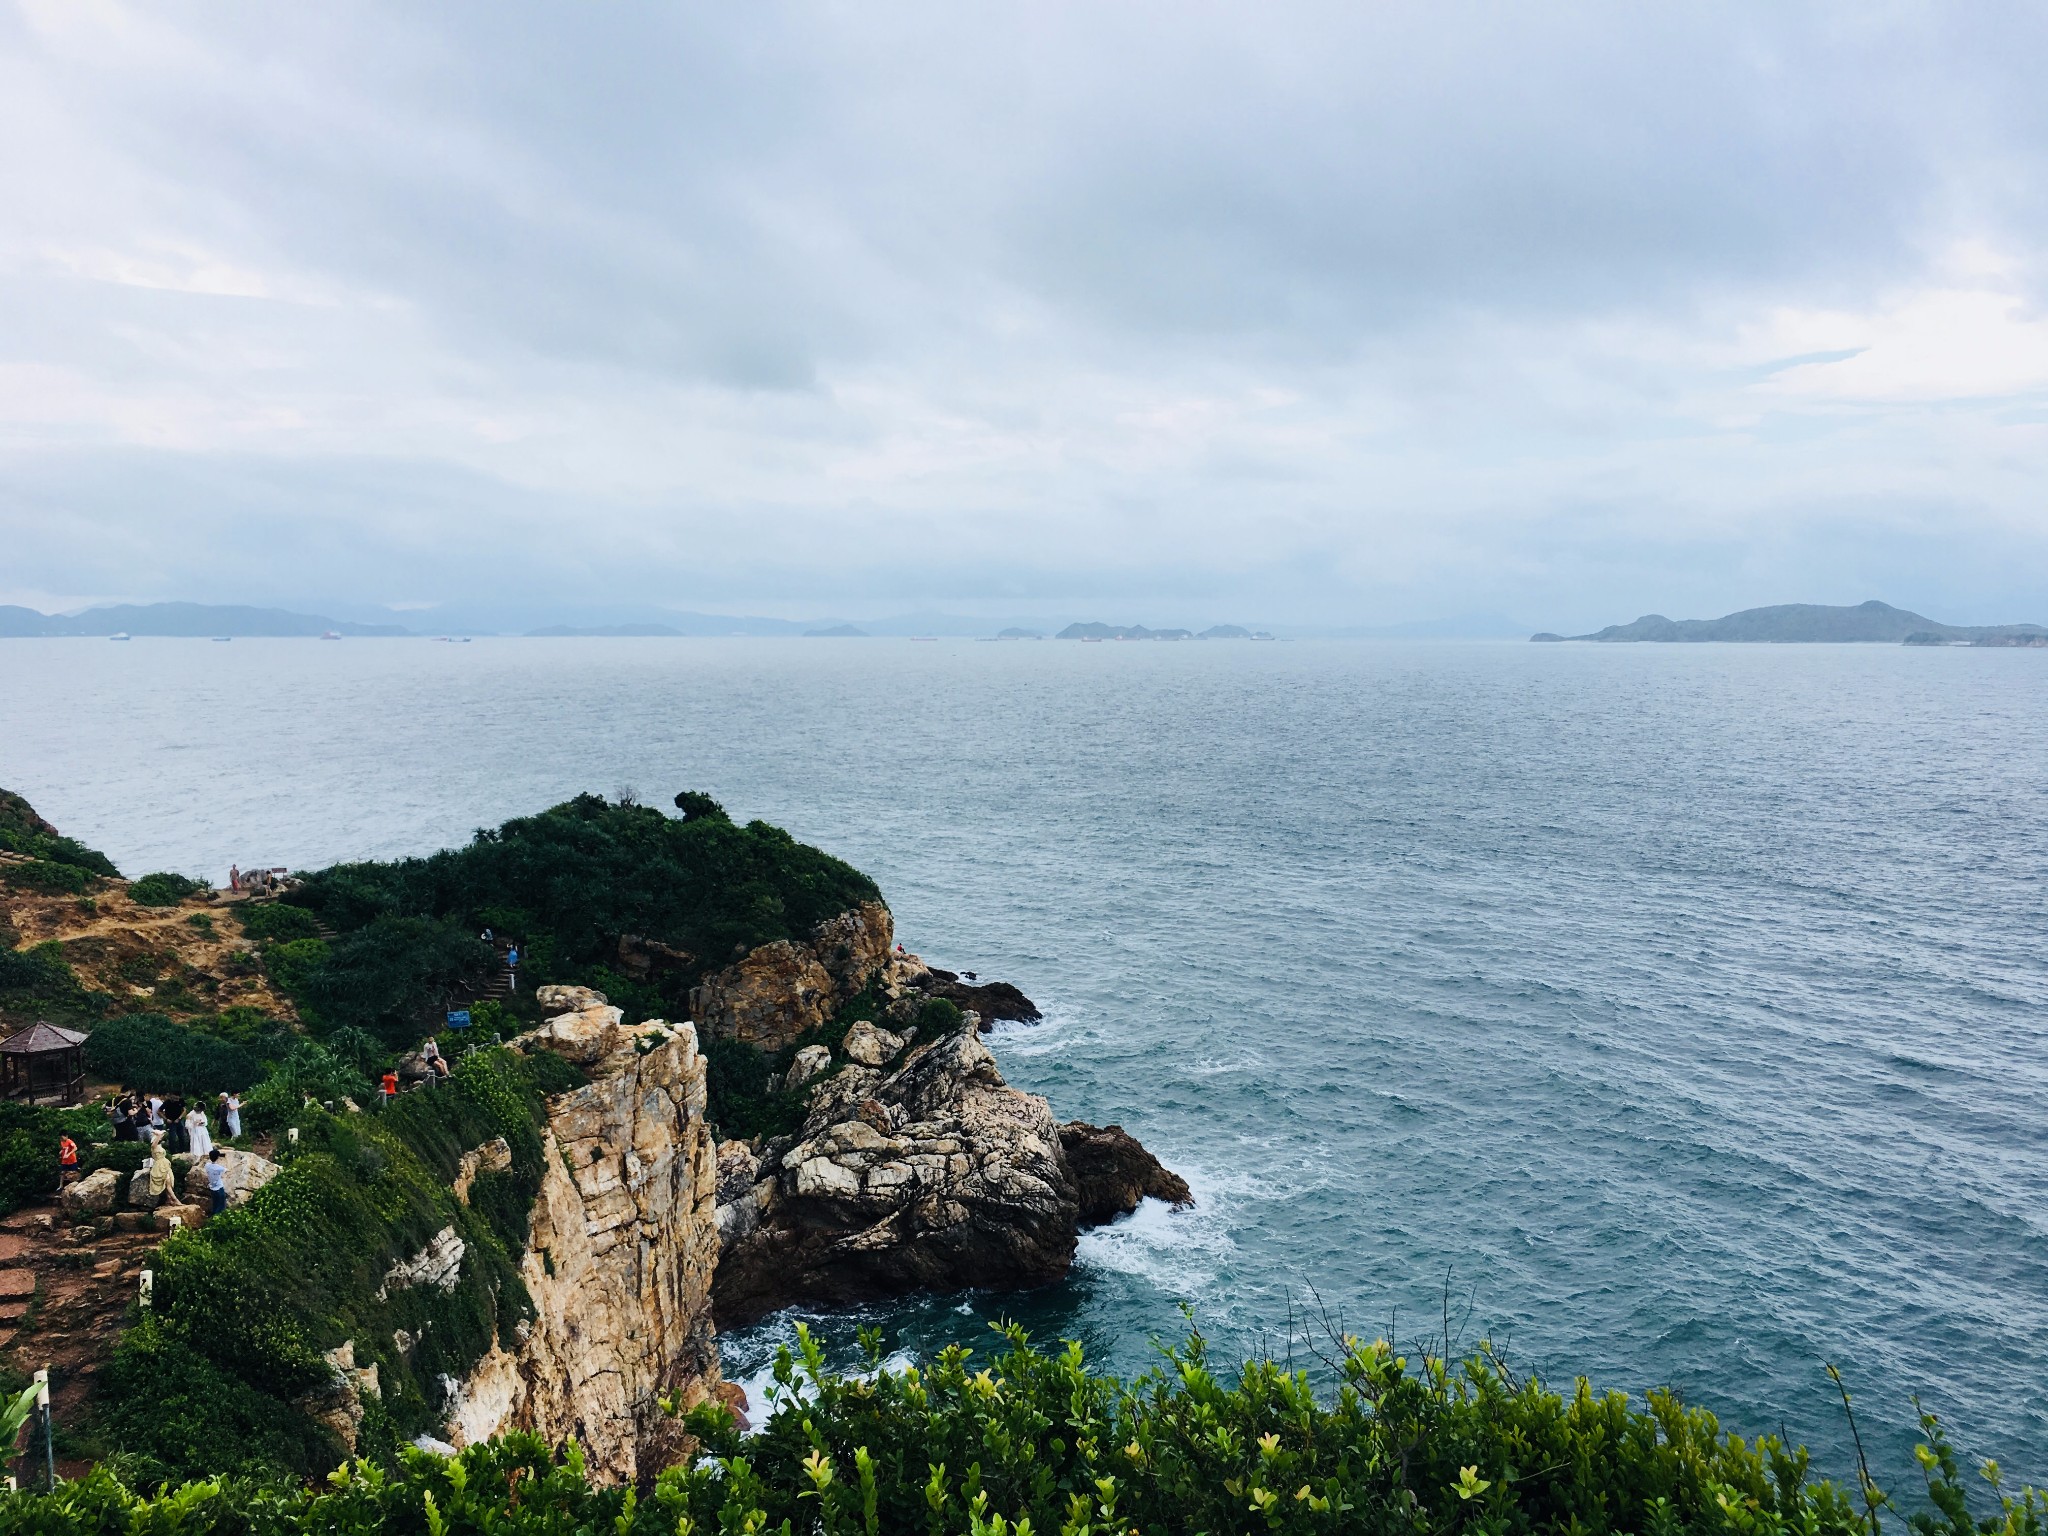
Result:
[[1113, 1173]]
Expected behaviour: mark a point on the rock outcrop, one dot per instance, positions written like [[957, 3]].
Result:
[[621, 1252], [928, 1173], [1113, 1172], [780, 992]]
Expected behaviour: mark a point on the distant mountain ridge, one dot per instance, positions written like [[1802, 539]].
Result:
[[181, 619], [1805, 623], [1140, 632]]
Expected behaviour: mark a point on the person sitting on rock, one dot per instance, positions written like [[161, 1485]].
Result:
[[216, 1182]]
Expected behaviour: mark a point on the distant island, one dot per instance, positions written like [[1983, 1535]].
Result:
[[837, 632], [181, 619], [1816, 623], [1140, 632]]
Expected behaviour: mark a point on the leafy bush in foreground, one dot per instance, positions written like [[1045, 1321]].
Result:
[[1035, 1444]]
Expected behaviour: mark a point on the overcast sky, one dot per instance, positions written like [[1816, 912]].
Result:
[[1154, 312]]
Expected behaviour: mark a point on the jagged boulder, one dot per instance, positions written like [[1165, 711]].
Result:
[[871, 1047], [246, 1173], [1113, 1172], [778, 993], [93, 1195], [438, 1265], [935, 1175], [554, 999], [805, 1065], [585, 1036]]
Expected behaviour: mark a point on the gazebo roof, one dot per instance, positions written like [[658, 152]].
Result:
[[39, 1038]]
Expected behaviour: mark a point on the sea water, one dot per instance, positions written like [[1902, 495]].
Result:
[[1675, 1015]]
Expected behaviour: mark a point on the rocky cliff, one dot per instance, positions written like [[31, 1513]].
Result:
[[916, 1168], [620, 1257], [926, 1173], [780, 992]]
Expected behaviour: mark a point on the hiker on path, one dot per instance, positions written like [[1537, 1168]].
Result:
[[67, 1160], [231, 1114], [512, 966], [389, 1086], [198, 1140], [216, 1181]]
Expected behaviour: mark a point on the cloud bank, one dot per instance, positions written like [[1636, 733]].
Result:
[[1297, 312]]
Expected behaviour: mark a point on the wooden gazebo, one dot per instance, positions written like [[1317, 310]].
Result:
[[43, 1062]]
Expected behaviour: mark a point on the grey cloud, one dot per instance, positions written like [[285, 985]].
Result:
[[1364, 311]]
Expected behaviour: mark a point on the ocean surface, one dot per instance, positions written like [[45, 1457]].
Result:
[[1674, 1015]]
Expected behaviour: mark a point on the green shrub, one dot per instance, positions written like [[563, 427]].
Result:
[[23, 831], [568, 882], [163, 889], [40, 978], [148, 1049], [276, 922], [1036, 1443], [939, 1016], [293, 962], [28, 1148], [392, 978], [307, 1072], [178, 1413], [43, 875]]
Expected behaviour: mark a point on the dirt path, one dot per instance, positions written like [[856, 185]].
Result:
[[63, 1304]]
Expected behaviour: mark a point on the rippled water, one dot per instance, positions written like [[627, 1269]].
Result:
[[1678, 1012]]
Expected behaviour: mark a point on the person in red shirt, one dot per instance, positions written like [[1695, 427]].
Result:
[[67, 1159], [390, 1085]]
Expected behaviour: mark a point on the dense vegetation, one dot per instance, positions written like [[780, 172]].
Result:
[[23, 831], [1035, 1443], [218, 1377], [566, 885], [150, 1049]]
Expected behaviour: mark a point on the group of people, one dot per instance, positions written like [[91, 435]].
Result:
[[180, 1126]]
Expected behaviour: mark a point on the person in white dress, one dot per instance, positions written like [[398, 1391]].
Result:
[[231, 1114], [201, 1141]]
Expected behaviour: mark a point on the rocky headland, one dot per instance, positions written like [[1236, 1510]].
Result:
[[827, 1126]]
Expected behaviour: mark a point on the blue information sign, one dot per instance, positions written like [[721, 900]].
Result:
[[458, 1018]]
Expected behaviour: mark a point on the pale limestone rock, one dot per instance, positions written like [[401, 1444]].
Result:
[[340, 1406], [494, 1156], [438, 1265], [586, 1036], [559, 999], [246, 1173], [93, 1195], [623, 1242], [805, 1065], [934, 1175], [871, 1047]]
